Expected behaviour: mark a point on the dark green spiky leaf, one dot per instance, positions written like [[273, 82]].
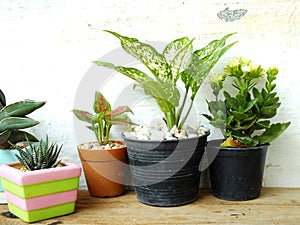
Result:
[[39, 156]]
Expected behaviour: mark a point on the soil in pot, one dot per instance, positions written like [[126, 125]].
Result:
[[166, 173], [104, 169], [236, 173]]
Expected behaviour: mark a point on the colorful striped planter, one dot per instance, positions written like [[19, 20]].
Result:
[[7, 156], [41, 194]]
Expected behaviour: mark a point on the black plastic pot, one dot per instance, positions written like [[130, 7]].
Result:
[[236, 173], [166, 173]]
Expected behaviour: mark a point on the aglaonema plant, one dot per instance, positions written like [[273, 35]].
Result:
[[178, 62], [242, 111], [13, 118], [104, 117]]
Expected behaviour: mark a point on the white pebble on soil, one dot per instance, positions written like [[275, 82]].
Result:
[[156, 133]]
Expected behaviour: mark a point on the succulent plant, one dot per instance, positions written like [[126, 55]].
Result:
[[13, 118], [39, 156], [243, 116]]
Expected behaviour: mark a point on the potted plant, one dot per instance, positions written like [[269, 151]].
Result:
[[165, 171], [242, 110], [39, 186], [13, 118], [104, 161]]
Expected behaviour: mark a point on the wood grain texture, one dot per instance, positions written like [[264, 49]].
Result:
[[274, 206]]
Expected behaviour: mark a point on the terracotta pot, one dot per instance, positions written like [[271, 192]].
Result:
[[104, 170]]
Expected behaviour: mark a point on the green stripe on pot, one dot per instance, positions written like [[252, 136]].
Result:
[[40, 189], [42, 214]]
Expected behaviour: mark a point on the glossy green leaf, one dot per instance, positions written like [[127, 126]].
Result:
[[272, 133], [11, 123], [20, 109]]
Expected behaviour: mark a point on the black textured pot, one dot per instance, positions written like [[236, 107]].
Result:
[[236, 173], [166, 173]]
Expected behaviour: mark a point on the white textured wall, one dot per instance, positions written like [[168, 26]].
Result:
[[46, 48]]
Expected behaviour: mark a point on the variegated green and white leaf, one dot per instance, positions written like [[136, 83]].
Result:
[[147, 55], [178, 55]]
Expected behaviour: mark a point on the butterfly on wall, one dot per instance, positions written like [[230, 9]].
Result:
[[231, 15]]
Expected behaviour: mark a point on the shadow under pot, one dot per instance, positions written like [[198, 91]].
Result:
[[236, 173], [104, 170]]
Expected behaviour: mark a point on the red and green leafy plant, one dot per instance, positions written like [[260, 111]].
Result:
[[104, 117]]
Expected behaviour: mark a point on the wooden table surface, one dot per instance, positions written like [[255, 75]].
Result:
[[274, 206]]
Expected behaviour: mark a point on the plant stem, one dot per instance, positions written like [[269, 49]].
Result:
[[186, 115], [179, 112]]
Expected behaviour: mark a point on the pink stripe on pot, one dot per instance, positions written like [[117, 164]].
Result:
[[30, 177], [41, 202]]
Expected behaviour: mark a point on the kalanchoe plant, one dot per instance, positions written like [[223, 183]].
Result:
[[178, 61], [39, 156], [13, 117], [104, 117], [244, 116]]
